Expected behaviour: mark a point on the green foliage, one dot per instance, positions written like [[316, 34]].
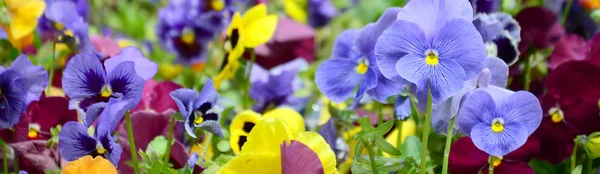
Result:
[[53, 141]]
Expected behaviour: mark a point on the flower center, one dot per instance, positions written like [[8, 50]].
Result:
[[59, 26], [556, 115], [498, 125], [32, 133], [496, 161], [199, 118], [431, 57], [362, 67], [217, 5], [106, 91], [100, 150], [188, 37]]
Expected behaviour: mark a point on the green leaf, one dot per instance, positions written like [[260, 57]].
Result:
[[365, 124], [358, 149], [412, 148], [577, 169], [384, 128], [185, 170], [157, 147], [543, 167], [386, 147], [52, 171], [178, 116]]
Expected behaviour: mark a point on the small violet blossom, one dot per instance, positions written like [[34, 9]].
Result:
[[202, 110], [434, 45], [64, 18], [501, 35], [276, 87]]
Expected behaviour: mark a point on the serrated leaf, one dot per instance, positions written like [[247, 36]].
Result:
[[386, 147]]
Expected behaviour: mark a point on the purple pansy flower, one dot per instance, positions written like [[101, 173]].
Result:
[[499, 122], [485, 6], [75, 142], [434, 45], [501, 35], [90, 85], [200, 110], [20, 84], [276, 87], [354, 63], [186, 27], [320, 12], [64, 18]]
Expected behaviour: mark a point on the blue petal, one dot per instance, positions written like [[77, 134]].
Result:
[[92, 112], [184, 98], [369, 82], [74, 141], [498, 71], [430, 15], [191, 162], [64, 12], [522, 107], [459, 40], [211, 126], [336, 78], [511, 138], [83, 77], [402, 109], [499, 94], [444, 111], [208, 94], [13, 97], [366, 39], [125, 81], [113, 149], [33, 78], [143, 66], [477, 108], [386, 88], [111, 116], [344, 44]]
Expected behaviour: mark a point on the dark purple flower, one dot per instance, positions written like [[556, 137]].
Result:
[[90, 86], [501, 34], [570, 47], [276, 87], [540, 28], [202, 110], [65, 22], [156, 97], [75, 142], [579, 21], [20, 84], [46, 113], [486, 6], [290, 41], [185, 27], [320, 12], [353, 63]]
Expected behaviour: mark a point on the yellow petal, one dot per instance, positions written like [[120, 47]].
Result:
[[236, 138], [292, 119], [267, 136], [259, 32], [316, 143], [237, 51], [296, 9], [86, 165], [21, 43], [253, 163], [254, 14], [244, 118], [24, 16], [236, 23]]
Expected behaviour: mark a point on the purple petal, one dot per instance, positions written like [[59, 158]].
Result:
[[143, 66], [386, 88], [344, 44], [13, 97], [369, 82], [430, 15], [125, 81], [336, 78], [33, 78], [64, 12], [208, 94], [511, 138], [459, 40], [499, 94], [111, 116], [299, 158], [211, 126], [329, 133], [74, 141], [83, 77], [486, 6], [184, 98], [113, 149], [366, 39], [92, 112], [522, 107], [192, 160], [477, 108], [402, 109], [444, 111], [498, 71]]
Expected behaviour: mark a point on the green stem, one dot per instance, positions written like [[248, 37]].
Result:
[[379, 113], [573, 158], [206, 144], [588, 166], [51, 76], [4, 156], [566, 13], [527, 73], [491, 166], [132, 148], [169, 140], [372, 159], [399, 138], [426, 130], [247, 90], [448, 144]]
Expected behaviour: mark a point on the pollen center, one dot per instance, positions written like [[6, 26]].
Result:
[[188, 37], [106, 91], [431, 57], [362, 68], [199, 119], [58, 26], [32, 133], [217, 5], [498, 125], [496, 161], [101, 151], [556, 117]]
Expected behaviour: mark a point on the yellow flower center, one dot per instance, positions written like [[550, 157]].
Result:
[[188, 37], [217, 5], [32, 133], [199, 119], [58, 26], [557, 117], [431, 57], [498, 125], [496, 162], [106, 91], [362, 68], [101, 151]]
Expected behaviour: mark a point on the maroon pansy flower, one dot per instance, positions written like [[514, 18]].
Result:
[[156, 98], [570, 47], [540, 28]]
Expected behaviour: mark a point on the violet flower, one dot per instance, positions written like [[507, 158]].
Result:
[[202, 110], [64, 18], [501, 34], [320, 12], [434, 45]]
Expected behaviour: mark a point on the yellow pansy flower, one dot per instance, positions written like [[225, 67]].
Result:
[[22, 19], [273, 147], [89, 165], [296, 9], [254, 28]]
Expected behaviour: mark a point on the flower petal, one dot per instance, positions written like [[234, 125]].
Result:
[[344, 45], [367, 38], [13, 97], [459, 40], [498, 70], [369, 82], [445, 79], [83, 77], [33, 78], [143, 66], [208, 94], [124, 80], [511, 138], [430, 15], [64, 12], [74, 141], [111, 116], [259, 32], [266, 136], [522, 107], [512, 167], [477, 108], [402, 109], [386, 88], [465, 157], [336, 78], [211, 126], [184, 98], [299, 158]]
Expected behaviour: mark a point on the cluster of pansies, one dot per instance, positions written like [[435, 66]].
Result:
[[299, 86]]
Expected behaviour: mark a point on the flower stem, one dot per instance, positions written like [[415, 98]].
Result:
[[491, 166], [426, 129], [527, 73], [169, 140], [399, 137], [588, 166], [132, 148], [51, 76], [4, 156], [379, 113], [372, 158], [206, 144], [448, 144], [573, 158], [566, 13], [249, 71]]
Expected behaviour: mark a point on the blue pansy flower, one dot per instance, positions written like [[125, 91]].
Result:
[[275, 87], [353, 63], [75, 142], [72, 28], [499, 121], [486, 6], [320, 12], [434, 45], [501, 35], [20, 84], [201, 110], [90, 85]]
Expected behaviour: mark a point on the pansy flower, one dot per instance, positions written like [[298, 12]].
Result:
[[255, 28], [18, 19], [290, 41], [91, 165], [75, 142], [501, 35], [274, 147], [569, 47], [317, 13], [201, 110], [434, 45], [499, 123], [106, 45], [72, 28], [244, 122], [20, 84], [353, 63], [49, 28], [486, 6], [569, 110], [276, 87], [90, 84], [465, 157], [540, 28], [579, 21], [186, 27]]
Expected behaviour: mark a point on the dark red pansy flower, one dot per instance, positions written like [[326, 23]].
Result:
[[570, 108], [540, 28], [593, 48], [570, 47], [466, 158], [156, 97]]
